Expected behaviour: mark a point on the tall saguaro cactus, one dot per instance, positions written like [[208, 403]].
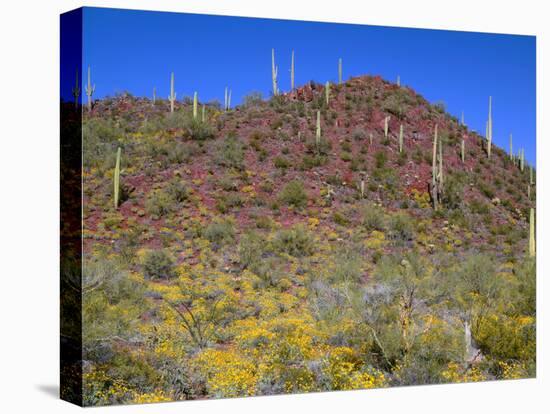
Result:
[[89, 90], [462, 148], [172, 96], [292, 72], [437, 171], [401, 138], [339, 71], [227, 99], [327, 92], [116, 178], [274, 70], [511, 155], [195, 105], [318, 130], [522, 160], [386, 126], [490, 128], [76, 90], [462, 119], [398, 80], [154, 95], [203, 117], [532, 251]]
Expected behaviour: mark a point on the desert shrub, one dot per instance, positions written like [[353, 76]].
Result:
[[295, 241], [359, 134], [373, 218], [229, 153], [401, 228], [177, 190], [479, 207], [453, 195], [221, 231], [293, 194], [380, 158], [252, 99], [158, 264], [197, 129], [159, 203], [281, 162], [345, 156], [311, 161], [228, 201]]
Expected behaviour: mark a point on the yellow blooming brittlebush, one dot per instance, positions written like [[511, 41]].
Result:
[[152, 397], [345, 371], [457, 373], [227, 373]]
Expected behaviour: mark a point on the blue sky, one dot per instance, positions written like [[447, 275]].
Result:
[[136, 50]]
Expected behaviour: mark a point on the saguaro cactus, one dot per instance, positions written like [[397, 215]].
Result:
[[340, 71], [116, 178], [154, 95], [532, 233], [227, 99], [318, 130], [489, 128], [292, 72], [89, 90], [172, 96], [462, 145], [522, 160], [195, 105], [76, 90], [274, 70], [462, 119], [362, 188], [401, 138], [327, 92], [437, 171], [386, 126], [531, 181], [398, 80], [511, 149], [203, 117]]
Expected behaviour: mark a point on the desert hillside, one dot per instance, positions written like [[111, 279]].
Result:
[[306, 242]]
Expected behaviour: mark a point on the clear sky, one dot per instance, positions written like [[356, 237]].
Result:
[[135, 51]]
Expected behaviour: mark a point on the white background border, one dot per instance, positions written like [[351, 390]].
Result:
[[29, 194]]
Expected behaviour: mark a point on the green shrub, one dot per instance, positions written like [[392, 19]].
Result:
[[401, 228], [293, 194], [229, 153], [221, 231], [295, 241], [158, 264], [159, 203], [373, 218], [281, 162], [198, 130]]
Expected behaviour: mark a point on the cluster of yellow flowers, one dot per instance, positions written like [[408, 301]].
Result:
[[345, 371], [456, 373], [228, 373]]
